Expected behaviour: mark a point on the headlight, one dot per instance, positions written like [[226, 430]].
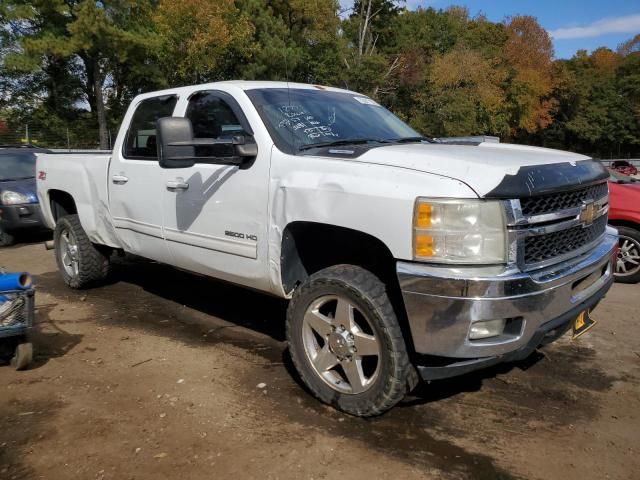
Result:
[[13, 198], [459, 231]]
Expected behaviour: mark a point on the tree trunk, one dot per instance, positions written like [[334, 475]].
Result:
[[94, 95], [89, 85], [100, 109]]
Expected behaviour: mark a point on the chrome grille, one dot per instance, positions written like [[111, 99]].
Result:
[[543, 204], [541, 248], [551, 228]]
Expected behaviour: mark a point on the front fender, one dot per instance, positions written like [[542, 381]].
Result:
[[374, 199]]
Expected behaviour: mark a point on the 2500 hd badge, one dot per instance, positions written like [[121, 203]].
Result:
[[248, 236]]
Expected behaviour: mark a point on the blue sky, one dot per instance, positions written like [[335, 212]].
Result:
[[573, 24]]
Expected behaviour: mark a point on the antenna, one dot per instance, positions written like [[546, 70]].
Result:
[[286, 69], [286, 76], [286, 62]]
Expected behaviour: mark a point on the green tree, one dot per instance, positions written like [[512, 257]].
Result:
[[367, 33], [293, 39], [597, 108], [81, 32], [196, 37]]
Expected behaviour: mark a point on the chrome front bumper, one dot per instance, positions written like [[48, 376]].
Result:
[[442, 302]]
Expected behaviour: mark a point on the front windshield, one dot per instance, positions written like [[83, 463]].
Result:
[[620, 177], [17, 165], [298, 118]]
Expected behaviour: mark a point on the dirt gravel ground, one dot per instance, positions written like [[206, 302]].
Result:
[[155, 376]]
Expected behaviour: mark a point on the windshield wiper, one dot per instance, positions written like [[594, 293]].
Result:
[[346, 141], [413, 140]]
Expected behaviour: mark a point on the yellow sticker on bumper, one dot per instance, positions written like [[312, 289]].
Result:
[[582, 324]]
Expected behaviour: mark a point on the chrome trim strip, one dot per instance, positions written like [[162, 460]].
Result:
[[518, 219], [137, 226], [226, 245], [512, 211], [565, 225]]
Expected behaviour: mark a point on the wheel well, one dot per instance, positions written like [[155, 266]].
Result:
[[62, 204], [624, 223], [308, 247]]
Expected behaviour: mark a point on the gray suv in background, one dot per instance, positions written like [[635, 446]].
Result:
[[19, 208]]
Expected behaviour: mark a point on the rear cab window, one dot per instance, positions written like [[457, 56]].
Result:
[[141, 141]]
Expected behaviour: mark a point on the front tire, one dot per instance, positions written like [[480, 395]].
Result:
[[346, 342], [80, 262], [628, 261]]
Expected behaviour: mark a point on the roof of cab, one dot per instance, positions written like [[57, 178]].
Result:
[[243, 85]]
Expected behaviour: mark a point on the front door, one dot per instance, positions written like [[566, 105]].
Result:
[[215, 216]]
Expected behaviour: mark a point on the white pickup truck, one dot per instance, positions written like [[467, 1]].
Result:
[[403, 256]]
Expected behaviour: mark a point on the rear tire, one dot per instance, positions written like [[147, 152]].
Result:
[[81, 263], [6, 239], [629, 252], [346, 343]]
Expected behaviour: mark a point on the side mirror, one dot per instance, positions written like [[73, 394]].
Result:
[[172, 134], [178, 149]]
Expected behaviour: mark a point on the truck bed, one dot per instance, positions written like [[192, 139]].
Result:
[[83, 175]]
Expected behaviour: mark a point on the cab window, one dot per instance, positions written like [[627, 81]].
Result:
[[141, 142], [212, 117]]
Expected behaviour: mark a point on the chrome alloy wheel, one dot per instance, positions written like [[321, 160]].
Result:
[[69, 253], [628, 262], [341, 344]]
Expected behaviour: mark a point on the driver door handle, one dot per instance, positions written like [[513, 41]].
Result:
[[119, 179], [177, 185]]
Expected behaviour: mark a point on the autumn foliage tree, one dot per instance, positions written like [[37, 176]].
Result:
[[197, 37], [69, 64], [529, 54]]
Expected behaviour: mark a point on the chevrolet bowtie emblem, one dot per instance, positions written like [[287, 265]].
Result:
[[588, 213]]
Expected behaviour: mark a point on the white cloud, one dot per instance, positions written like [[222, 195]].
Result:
[[628, 24]]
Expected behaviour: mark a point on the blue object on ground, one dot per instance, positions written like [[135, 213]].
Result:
[[15, 281]]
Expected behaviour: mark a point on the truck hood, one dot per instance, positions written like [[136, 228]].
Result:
[[494, 170]]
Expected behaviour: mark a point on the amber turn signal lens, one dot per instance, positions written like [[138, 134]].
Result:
[[423, 215], [424, 246]]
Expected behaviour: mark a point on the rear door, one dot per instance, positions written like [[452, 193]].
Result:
[[136, 182]]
